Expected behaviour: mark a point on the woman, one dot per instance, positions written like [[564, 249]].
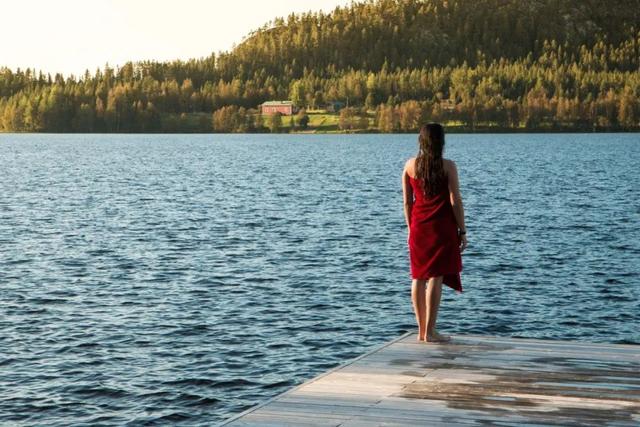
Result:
[[437, 235]]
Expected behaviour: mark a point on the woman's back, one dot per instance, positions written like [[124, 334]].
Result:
[[428, 207], [433, 237]]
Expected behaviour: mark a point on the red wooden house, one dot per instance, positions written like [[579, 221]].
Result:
[[286, 108]]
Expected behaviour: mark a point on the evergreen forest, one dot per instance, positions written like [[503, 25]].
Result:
[[535, 65]]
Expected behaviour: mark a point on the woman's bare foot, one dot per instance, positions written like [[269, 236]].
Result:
[[437, 337], [421, 339]]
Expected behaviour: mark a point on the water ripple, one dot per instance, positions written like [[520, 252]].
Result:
[[153, 279]]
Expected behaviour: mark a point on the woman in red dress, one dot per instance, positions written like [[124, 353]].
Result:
[[437, 236]]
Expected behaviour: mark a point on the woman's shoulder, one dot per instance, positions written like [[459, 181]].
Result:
[[410, 161], [449, 165], [409, 164]]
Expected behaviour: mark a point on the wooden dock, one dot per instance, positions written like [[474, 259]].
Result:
[[474, 380]]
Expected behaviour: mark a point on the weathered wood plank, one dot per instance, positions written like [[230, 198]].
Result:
[[474, 380]]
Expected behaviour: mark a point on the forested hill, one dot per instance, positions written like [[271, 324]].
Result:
[[495, 64], [414, 33]]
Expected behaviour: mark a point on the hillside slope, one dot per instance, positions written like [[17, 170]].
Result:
[[414, 33], [498, 64]]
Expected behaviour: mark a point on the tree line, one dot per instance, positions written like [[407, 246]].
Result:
[[394, 64]]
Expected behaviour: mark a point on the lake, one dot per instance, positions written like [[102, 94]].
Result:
[[180, 279]]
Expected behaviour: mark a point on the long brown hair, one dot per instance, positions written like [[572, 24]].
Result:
[[429, 165]]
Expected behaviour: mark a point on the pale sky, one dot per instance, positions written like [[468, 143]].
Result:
[[69, 36]]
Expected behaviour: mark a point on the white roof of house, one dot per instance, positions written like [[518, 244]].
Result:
[[277, 103]]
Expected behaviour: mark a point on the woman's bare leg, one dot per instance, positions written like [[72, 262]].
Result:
[[433, 296], [419, 306]]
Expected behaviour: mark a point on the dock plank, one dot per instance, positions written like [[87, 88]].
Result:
[[473, 380]]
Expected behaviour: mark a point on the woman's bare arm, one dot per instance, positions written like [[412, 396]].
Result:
[[456, 200], [407, 195]]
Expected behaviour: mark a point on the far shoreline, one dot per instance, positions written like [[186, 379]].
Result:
[[450, 130]]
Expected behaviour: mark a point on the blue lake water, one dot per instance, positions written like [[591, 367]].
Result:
[[180, 279]]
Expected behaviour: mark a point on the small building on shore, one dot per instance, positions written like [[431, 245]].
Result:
[[286, 108]]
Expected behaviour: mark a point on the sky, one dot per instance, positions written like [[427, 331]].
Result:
[[69, 36]]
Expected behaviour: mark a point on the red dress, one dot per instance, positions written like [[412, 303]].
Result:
[[433, 238]]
